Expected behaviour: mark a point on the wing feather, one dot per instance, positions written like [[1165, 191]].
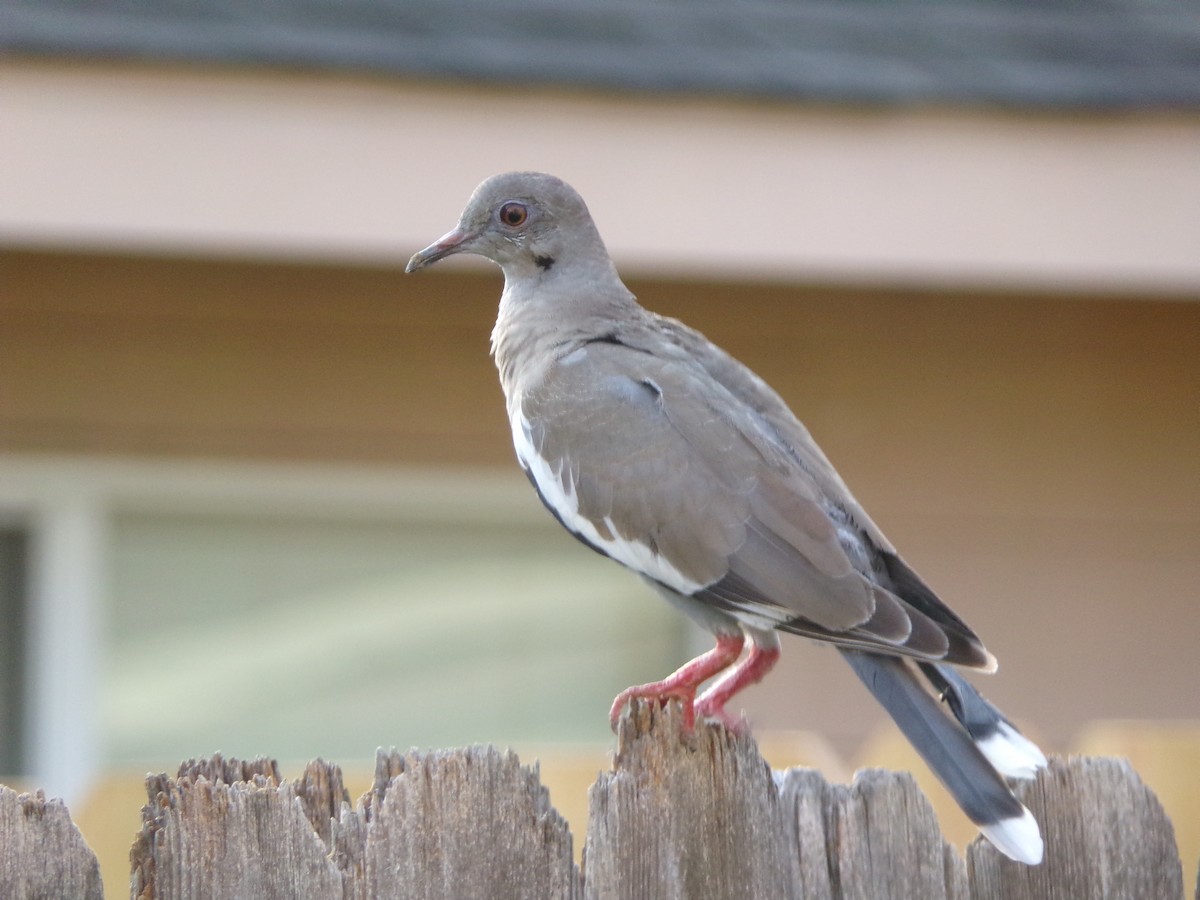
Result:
[[695, 464], [656, 453]]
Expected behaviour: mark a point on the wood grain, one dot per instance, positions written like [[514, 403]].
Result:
[[1106, 835], [681, 815], [42, 853]]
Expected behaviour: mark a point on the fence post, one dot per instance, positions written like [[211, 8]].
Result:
[[684, 816], [1106, 835], [446, 824], [42, 853], [877, 837], [225, 829], [463, 823]]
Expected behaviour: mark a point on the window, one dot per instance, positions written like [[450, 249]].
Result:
[[14, 592], [169, 610], [300, 636]]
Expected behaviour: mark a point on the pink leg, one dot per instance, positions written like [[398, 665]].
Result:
[[751, 670], [682, 683]]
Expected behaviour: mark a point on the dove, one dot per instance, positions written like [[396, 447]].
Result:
[[657, 449]]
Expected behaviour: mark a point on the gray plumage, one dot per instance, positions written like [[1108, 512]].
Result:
[[658, 449]]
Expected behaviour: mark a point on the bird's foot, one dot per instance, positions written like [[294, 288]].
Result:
[[660, 692], [711, 704], [707, 710], [683, 682]]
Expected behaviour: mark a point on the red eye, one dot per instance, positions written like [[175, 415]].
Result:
[[513, 214]]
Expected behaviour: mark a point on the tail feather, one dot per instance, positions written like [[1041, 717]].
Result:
[[1010, 752], [1018, 839], [950, 750]]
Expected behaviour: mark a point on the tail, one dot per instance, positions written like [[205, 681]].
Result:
[[1011, 753], [968, 756]]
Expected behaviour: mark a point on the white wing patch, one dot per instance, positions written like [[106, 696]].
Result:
[[561, 498]]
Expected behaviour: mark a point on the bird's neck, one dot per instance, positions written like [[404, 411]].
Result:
[[545, 316]]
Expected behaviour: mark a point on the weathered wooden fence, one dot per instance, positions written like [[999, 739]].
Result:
[[679, 816]]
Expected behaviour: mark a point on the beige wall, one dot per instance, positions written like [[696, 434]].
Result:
[[1034, 457], [269, 163]]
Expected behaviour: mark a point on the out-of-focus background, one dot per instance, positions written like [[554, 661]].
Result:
[[256, 487]]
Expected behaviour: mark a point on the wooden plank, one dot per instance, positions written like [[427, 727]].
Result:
[[446, 824], [1107, 838], [875, 838], [1166, 756], [323, 796], [225, 829], [461, 823], [684, 816], [42, 853]]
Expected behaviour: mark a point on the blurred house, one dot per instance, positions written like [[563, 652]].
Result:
[[256, 491]]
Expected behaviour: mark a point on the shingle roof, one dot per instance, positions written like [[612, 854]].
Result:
[[1101, 54]]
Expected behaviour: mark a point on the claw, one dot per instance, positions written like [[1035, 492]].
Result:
[[738, 724], [683, 683], [687, 699]]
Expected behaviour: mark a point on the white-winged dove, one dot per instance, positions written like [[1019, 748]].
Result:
[[657, 449]]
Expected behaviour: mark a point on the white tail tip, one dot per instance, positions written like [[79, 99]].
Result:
[[1018, 838], [1011, 753]]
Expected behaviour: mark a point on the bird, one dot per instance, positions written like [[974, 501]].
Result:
[[659, 450]]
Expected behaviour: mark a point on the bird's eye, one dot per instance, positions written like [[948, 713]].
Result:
[[513, 214]]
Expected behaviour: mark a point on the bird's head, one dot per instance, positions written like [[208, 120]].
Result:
[[523, 222]]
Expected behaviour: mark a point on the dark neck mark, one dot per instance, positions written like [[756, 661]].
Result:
[[544, 262], [608, 338], [611, 337]]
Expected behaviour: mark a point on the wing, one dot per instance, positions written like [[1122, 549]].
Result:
[[863, 539], [775, 414], [657, 464], [644, 459]]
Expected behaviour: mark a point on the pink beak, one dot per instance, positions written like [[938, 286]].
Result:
[[448, 244]]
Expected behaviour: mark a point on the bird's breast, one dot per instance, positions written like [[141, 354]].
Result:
[[554, 480]]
